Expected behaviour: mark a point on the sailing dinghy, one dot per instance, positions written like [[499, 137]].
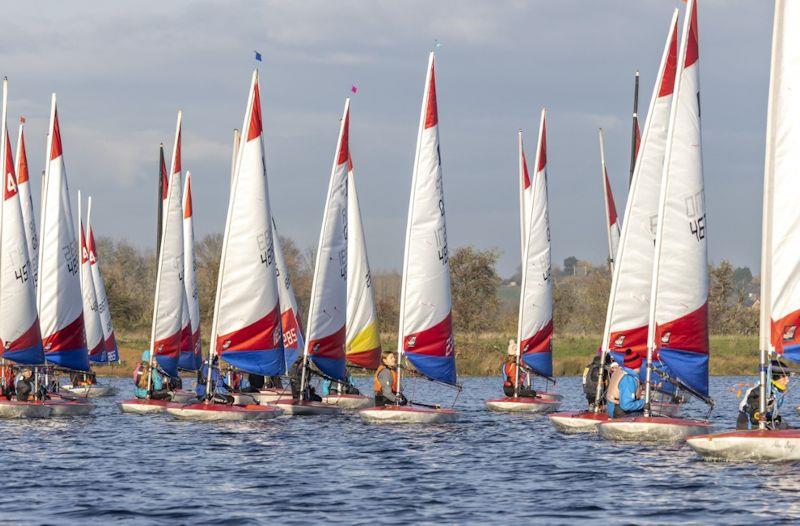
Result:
[[19, 326], [327, 313], [246, 330], [425, 329], [780, 294], [362, 340], [535, 321], [629, 298], [168, 309], [59, 299], [677, 334]]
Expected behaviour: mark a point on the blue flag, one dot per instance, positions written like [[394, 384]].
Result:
[[258, 56]]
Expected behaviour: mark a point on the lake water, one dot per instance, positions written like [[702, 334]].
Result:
[[491, 468]]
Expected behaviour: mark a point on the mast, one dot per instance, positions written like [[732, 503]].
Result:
[[634, 125], [237, 136], [523, 228], [765, 316]]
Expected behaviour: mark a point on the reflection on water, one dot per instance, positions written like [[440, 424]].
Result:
[[490, 468]]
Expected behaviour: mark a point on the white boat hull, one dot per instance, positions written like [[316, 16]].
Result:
[[91, 391], [222, 412], [305, 408], [749, 446], [652, 429], [578, 422], [69, 408], [14, 409], [268, 396], [349, 402], [391, 414], [523, 405], [143, 407]]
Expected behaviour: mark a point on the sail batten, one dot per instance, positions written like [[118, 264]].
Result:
[[426, 333]]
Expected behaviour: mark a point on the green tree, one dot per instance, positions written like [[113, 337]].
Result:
[[473, 285]]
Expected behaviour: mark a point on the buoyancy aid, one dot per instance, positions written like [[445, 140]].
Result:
[[510, 375], [612, 394], [376, 381]]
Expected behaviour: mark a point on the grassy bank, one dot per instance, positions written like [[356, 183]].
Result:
[[481, 355]]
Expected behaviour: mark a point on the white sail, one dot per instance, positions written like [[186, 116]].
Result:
[[629, 301], [165, 338], [293, 340], [20, 339], [612, 221], [246, 330], [363, 336], [426, 333], [91, 312], [103, 307], [189, 273], [525, 195], [780, 284], [535, 322], [59, 298], [327, 313], [26, 200], [678, 330]]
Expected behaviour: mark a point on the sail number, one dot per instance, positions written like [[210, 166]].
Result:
[[71, 257], [290, 337], [266, 252], [695, 211]]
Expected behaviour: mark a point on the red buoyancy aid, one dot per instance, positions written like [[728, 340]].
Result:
[[510, 375], [377, 381]]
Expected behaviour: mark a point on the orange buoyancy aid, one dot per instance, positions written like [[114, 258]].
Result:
[[510, 375], [376, 381]]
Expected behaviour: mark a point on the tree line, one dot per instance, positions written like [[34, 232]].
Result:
[[482, 301]]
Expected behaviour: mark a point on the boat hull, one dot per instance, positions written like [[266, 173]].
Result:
[[91, 391], [578, 422], [181, 396], [306, 408], [748, 446], [14, 409], [652, 429], [550, 397], [522, 405], [222, 412], [140, 406], [349, 402], [266, 396], [392, 414], [69, 407]]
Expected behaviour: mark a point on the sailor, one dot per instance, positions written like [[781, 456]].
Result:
[[748, 408], [296, 381], [386, 382], [624, 394], [510, 375], [591, 375], [331, 386], [159, 389], [255, 383], [23, 385], [220, 391]]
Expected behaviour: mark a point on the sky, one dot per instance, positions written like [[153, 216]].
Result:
[[122, 69]]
